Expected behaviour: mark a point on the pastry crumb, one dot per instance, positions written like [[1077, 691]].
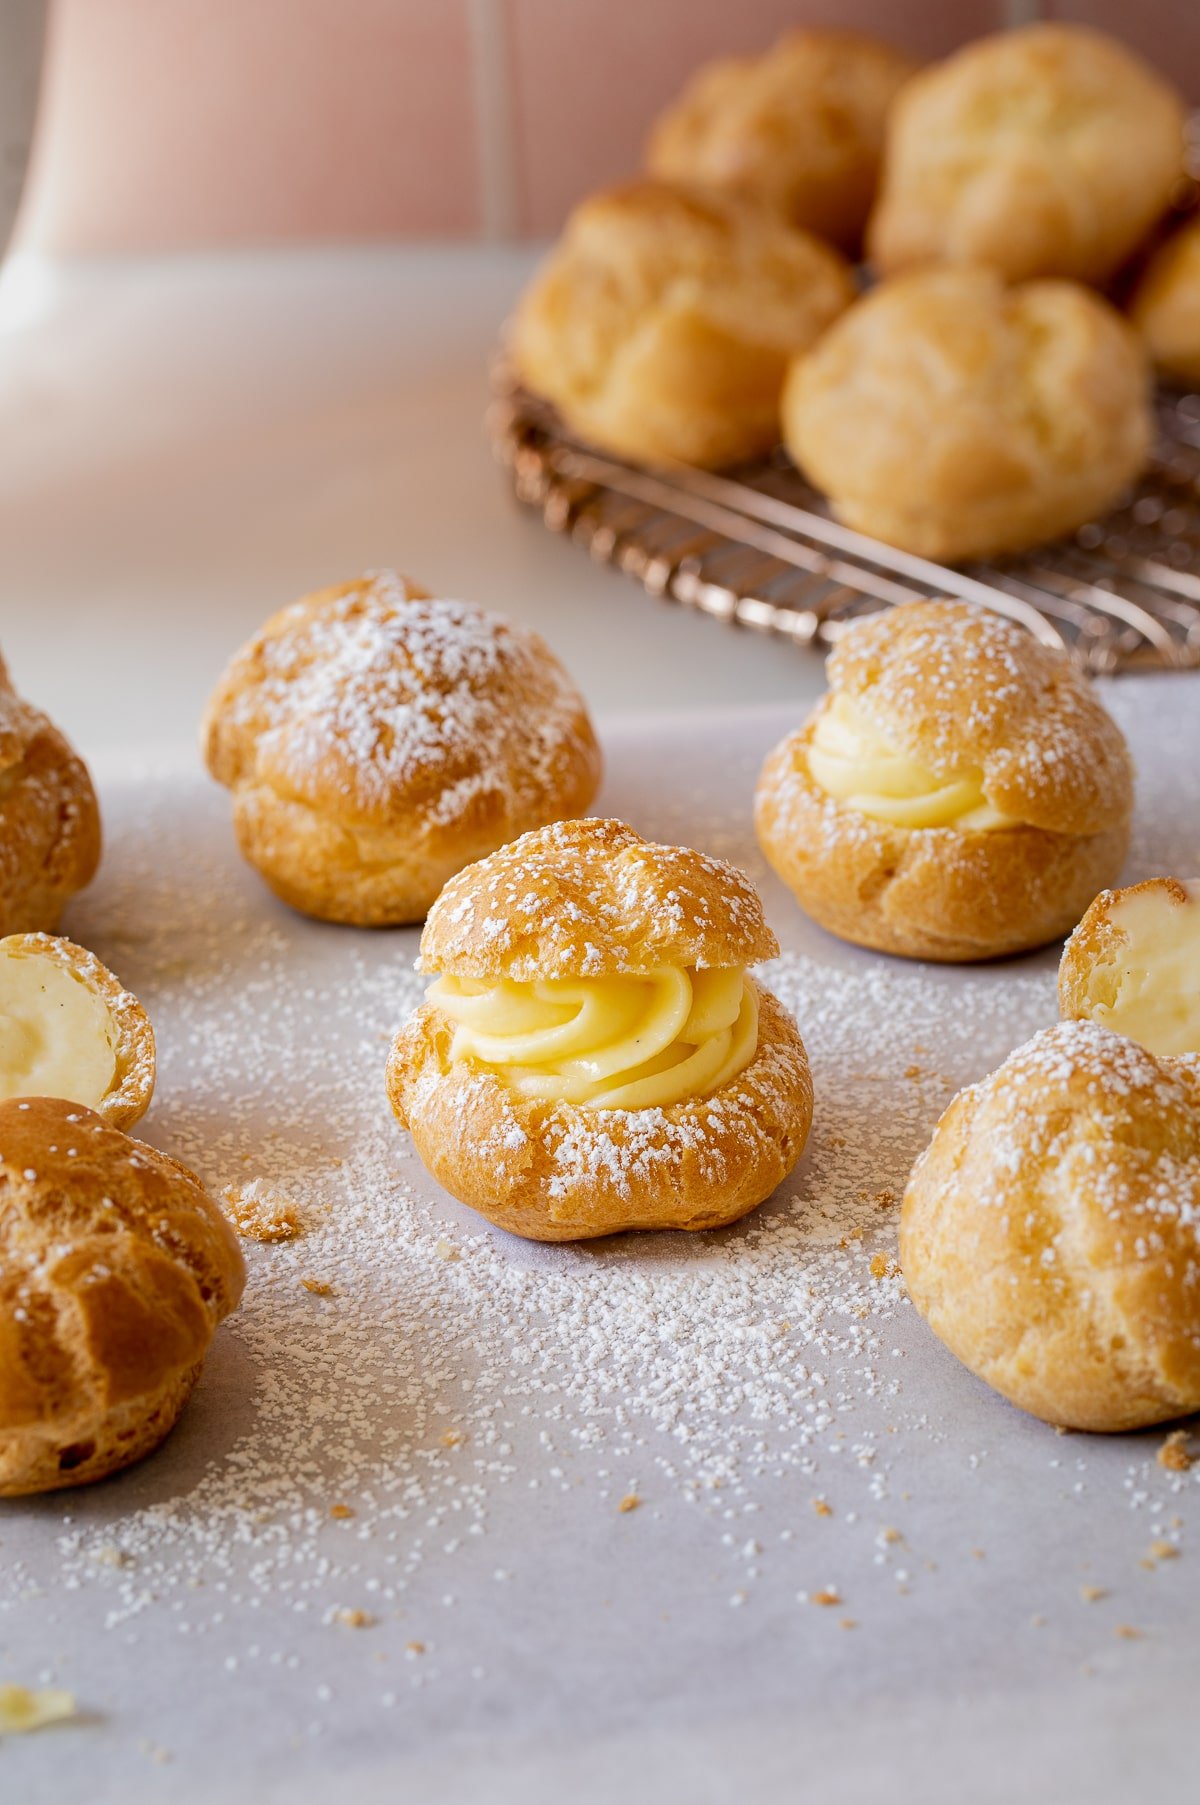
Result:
[[828, 1596], [446, 1250], [453, 1438], [260, 1214], [629, 1502], [1092, 1594], [1175, 1454], [848, 1623], [882, 1267], [318, 1287], [415, 1648], [1128, 1632], [822, 1508], [352, 1617], [22, 1708], [340, 1511]]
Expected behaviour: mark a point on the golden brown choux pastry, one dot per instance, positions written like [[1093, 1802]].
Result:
[[377, 739], [1133, 965], [593, 1055], [662, 324], [957, 418], [798, 129], [49, 818], [1050, 1234], [1165, 306], [69, 1029], [958, 793], [115, 1269], [1048, 151]]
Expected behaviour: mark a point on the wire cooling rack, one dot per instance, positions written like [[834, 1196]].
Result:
[[757, 547]]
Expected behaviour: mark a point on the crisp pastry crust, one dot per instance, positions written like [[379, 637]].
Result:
[[1050, 1234], [957, 418], [132, 1037], [377, 739], [115, 1269], [593, 899], [49, 818], [662, 323], [961, 690], [799, 129], [1165, 306], [563, 1173], [1048, 151]]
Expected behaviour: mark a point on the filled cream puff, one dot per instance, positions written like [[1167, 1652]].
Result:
[[799, 129], [115, 1269], [1050, 1234], [594, 1054], [377, 739], [662, 324], [1165, 306], [1133, 965], [70, 1029], [49, 818], [1047, 151], [959, 793]]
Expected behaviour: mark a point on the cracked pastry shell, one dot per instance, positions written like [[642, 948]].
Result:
[[49, 818], [960, 689], [115, 1269], [1050, 1234], [1047, 151], [799, 129], [596, 898], [662, 323], [957, 418], [131, 1035], [377, 739]]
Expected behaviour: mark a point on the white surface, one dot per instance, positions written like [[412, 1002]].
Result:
[[669, 1653], [186, 445]]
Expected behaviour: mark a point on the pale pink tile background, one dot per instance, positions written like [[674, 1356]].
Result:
[[182, 123]]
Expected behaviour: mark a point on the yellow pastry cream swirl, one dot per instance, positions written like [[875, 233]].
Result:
[[852, 761], [641, 1041]]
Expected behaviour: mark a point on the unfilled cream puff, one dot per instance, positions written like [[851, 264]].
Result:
[[115, 1269], [798, 129], [377, 739], [959, 793], [49, 818], [959, 418], [1048, 151], [662, 324], [594, 1054], [1133, 965], [1050, 1234], [70, 1029], [1165, 305]]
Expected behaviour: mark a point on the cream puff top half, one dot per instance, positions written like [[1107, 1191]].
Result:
[[584, 965], [942, 715]]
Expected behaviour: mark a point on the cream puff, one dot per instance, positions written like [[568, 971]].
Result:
[[69, 1029], [1165, 306], [1048, 151], [959, 792], [593, 1054], [115, 1269], [1133, 965], [1050, 1234], [49, 818], [798, 129], [662, 324], [959, 418], [377, 739]]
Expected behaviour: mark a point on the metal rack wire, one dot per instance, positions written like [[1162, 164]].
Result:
[[757, 547]]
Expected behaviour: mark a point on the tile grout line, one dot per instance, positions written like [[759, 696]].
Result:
[[495, 137]]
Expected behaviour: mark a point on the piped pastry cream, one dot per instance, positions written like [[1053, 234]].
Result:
[[1133, 965], [618, 1042], [594, 1054], [853, 760], [959, 793], [69, 1029]]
